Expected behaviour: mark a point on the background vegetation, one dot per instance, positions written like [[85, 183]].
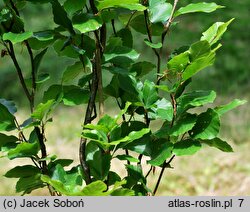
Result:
[[229, 77]]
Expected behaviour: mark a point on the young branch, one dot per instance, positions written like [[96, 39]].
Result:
[[169, 22], [164, 166]]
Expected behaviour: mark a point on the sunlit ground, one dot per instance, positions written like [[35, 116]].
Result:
[[209, 172]]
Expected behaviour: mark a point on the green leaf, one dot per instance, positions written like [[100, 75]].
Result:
[[161, 151], [135, 172], [46, 35], [108, 122], [43, 77], [207, 125], [225, 108], [28, 184], [72, 72], [68, 51], [86, 22], [183, 125], [199, 49], [10, 105], [24, 150], [38, 58], [7, 122], [215, 32], [138, 24], [128, 84], [116, 53], [178, 63], [195, 99], [198, 7], [126, 36], [159, 11], [128, 158], [163, 110], [153, 45], [150, 95], [96, 188], [60, 16], [22, 171], [74, 95], [123, 192], [186, 147], [219, 144], [201, 58], [142, 68], [17, 37], [43, 110], [98, 161], [128, 4], [72, 6], [6, 140]]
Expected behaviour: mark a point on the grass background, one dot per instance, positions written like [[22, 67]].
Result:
[[209, 172]]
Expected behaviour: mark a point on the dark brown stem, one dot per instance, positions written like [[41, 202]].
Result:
[[113, 27], [157, 54], [164, 166], [12, 54]]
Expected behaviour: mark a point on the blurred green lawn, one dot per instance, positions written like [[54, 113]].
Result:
[[209, 172]]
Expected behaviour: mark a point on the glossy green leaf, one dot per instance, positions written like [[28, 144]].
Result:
[[161, 151], [201, 59], [38, 1], [150, 95], [128, 158], [128, 84], [115, 50], [207, 125], [42, 110], [162, 109], [215, 32], [225, 108], [96, 188], [198, 7], [53, 92], [7, 122], [74, 95], [199, 49], [178, 63], [60, 16], [159, 11], [135, 174], [72, 6], [10, 105], [22, 171], [219, 144], [98, 161], [24, 150], [126, 36], [153, 45], [46, 35], [108, 122], [186, 147], [123, 192], [7, 139], [195, 99], [128, 4], [72, 72], [183, 125], [28, 184], [86, 22], [142, 68], [68, 51], [17, 37]]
